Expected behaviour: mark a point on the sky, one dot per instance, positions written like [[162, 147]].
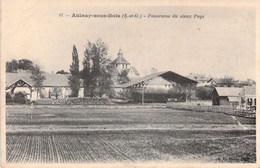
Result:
[[220, 44]]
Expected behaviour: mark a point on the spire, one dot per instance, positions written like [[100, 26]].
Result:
[[120, 51], [120, 54]]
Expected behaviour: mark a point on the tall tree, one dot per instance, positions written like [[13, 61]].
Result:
[[38, 78], [86, 76], [74, 73], [97, 79]]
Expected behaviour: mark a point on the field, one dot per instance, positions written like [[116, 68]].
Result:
[[85, 135]]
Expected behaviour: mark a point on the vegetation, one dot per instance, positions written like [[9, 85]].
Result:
[[23, 64], [204, 93], [87, 135], [96, 76], [38, 78], [123, 78], [62, 72], [74, 78]]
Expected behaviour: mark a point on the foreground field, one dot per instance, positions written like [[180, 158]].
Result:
[[134, 135]]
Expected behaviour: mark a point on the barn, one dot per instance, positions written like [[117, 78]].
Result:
[[159, 84], [226, 96]]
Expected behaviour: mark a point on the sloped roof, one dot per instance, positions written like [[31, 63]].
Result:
[[228, 91], [14, 77], [167, 75], [135, 71], [54, 80], [120, 60]]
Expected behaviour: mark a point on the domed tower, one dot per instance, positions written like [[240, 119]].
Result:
[[120, 62]]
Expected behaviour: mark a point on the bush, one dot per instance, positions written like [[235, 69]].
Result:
[[8, 98], [204, 93], [20, 98]]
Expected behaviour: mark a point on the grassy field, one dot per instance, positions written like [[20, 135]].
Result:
[[62, 135]]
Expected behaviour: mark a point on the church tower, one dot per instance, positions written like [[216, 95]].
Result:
[[120, 62]]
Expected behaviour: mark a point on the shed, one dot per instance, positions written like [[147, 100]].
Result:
[[226, 96]]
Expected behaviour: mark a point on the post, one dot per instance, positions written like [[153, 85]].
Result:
[[143, 96], [30, 94]]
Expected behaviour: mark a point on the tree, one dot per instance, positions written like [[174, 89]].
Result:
[[74, 73], [25, 64], [38, 78], [227, 81], [123, 78], [12, 66], [96, 75], [62, 72], [204, 93]]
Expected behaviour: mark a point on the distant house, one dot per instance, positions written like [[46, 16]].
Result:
[[223, 82], [202, 79], [226, 96]]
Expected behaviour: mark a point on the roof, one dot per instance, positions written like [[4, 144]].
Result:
[[135, 71], [14, 77], [55, 80], [228, 91], [120, 60], [167, 75], [198, 77]]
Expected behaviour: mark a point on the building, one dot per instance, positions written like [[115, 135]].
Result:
[[54, 86], [161, 83], [249, 97], [223, 82], [202, 79], [244, 98], [226, 96], [121, 66]]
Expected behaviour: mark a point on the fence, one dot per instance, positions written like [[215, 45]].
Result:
[[216, 109]]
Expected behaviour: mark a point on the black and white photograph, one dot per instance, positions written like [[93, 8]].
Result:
[[127, 84]]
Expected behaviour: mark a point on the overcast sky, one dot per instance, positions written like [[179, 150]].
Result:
[[222, 43]]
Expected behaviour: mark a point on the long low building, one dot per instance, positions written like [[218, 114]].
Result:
[[162, 83], [55, 85]]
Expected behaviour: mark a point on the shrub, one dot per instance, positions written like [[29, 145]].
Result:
[[204, 93], [20, 98]]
